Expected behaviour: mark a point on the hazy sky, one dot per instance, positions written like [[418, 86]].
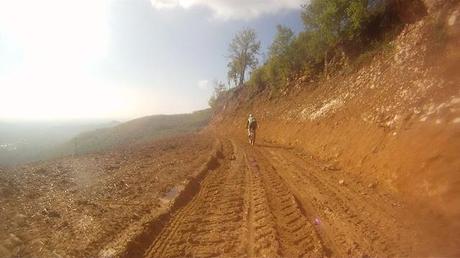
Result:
[[122, 58]]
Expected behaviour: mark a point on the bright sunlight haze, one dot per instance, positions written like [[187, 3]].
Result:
[[68, 59]]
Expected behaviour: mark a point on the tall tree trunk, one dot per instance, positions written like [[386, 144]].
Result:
[[242, 76], [325, 63]]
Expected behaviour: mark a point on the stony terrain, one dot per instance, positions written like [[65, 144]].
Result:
[[76, 205]]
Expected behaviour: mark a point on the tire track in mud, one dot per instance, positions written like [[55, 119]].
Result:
[[243, 209], [211, 224], [357, 221], [264, 238], [296, 236], [275, 202]]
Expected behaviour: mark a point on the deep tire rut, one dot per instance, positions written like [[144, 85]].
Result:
[[243, 209], [296, 237], [264, 239], [211, 224]]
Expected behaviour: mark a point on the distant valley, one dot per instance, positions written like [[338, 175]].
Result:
[[28, 142]]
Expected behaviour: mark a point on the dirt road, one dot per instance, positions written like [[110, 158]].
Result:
[[268, 201]]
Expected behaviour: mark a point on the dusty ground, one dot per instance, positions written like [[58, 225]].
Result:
[[277, 201], [205, 196], [75, 206]]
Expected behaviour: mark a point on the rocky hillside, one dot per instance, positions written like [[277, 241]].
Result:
[[394, 121]]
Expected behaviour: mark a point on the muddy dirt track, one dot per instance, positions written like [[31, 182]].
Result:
[[269, 201]]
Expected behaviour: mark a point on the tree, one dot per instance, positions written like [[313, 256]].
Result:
[[329, 22], [243, 52], [278, 67], [282, 41], [219, 89], [232, 74]]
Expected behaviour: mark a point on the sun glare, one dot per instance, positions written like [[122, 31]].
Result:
[[56, 43], [53, 31], [58, 98]]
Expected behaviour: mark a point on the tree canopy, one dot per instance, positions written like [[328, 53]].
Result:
[[283, 39], [243, 52], [328, 22]]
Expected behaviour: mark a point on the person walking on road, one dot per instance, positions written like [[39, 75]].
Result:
[[251, 126]]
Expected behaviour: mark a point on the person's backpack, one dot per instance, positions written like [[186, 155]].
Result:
[[252, 123]]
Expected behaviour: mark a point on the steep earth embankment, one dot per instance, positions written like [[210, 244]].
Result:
[[394, 122]]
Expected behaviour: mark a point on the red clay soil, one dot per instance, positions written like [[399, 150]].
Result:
[[77, 205], [276, 201]]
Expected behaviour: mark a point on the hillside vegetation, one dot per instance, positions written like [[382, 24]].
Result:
[[338, 36], [135, 132]]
